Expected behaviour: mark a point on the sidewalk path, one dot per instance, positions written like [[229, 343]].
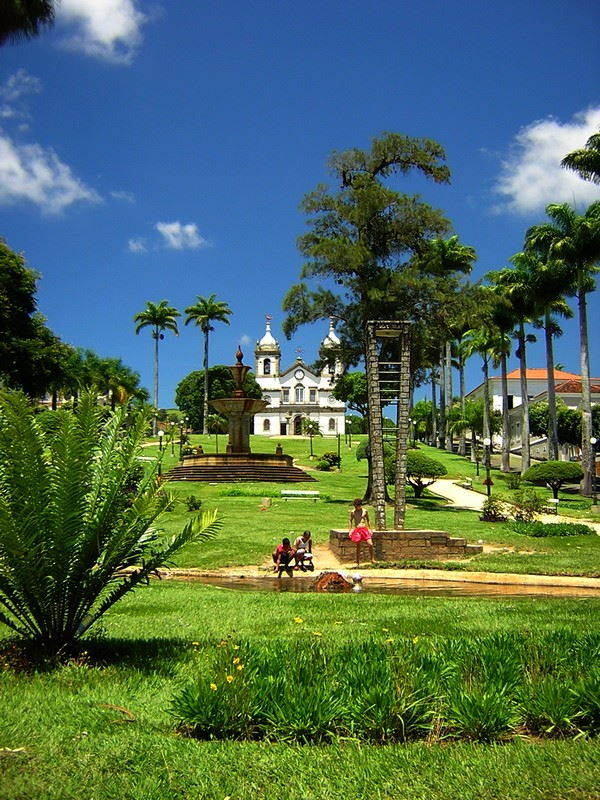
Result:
[[473, 501]]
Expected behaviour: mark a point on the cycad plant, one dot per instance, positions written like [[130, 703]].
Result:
[[78, 522]]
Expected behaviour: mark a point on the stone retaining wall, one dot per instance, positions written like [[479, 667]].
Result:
[[396, 545]]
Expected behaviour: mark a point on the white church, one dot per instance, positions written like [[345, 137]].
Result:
[[297, 393]]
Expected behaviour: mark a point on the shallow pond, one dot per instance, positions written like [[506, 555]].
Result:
[[398, 586]]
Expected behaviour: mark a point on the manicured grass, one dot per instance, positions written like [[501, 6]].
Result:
[[100, 727], [249, 534]]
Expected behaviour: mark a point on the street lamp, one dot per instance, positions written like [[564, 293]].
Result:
[[172, 438], [488, 481], [594, 442]]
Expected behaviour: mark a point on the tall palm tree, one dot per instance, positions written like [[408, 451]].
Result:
[[550, 282], [586, 160], [159, 317], [574, 240], [203, 313], [516, 285], [445, 257]]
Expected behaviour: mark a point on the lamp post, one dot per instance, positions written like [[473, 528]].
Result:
[[594, 442], [161, 433], [172, 438], [488, 481], [412, 432], [476, 459]]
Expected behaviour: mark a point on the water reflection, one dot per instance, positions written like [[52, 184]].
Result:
[[399, 586]]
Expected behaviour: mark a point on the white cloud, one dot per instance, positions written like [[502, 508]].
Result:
[[32, 173], [137, 245], [532, 177], [18, 84], [126, 197], [245, 340], [106, 29], [181, 237]]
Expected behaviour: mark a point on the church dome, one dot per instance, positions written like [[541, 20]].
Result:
[[331, 340], [268, 341]]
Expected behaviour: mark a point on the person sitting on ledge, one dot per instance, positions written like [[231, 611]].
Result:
[[303, 551]]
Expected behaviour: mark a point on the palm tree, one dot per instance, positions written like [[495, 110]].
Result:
[[550, 281], [573, 240], [160, 317], [516, 286], [205, 311], [447, 257], [586, 161], [23, 19]]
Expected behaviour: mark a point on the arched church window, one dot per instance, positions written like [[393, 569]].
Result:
[[267, 366], [331, 424], [299, 393], [266, 425]]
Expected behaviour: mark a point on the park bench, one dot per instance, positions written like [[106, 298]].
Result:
[[300, 494], [551, 507]]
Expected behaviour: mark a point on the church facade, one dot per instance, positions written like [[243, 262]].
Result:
[[296, 393]]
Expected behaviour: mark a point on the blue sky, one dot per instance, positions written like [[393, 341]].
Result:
[[154, 150]]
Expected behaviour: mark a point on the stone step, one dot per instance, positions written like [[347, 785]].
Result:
[[239, 472]]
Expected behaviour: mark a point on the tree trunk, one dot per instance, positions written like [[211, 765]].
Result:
[[486, 400], [205, 404], [525, 444], [462, 442], [155, 388], [433, 410], [552, 422], [448, 392], [375, 428], [587, 452], [505, 458], [442, 440]]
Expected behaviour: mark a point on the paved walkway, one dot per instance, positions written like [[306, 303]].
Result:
[[473, 501]]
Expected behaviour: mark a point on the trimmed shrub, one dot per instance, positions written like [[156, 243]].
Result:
[[539, 529], [494, 510], [527, 504], [421, 471], [553, 474]]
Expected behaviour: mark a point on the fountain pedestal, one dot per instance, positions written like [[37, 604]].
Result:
[[239, 412]]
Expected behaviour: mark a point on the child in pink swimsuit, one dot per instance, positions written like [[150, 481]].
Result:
[[359, 529]]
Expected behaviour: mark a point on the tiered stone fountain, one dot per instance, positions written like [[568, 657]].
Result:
[[238, 463]]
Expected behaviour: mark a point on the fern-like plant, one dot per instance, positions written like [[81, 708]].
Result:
[[78, 522]]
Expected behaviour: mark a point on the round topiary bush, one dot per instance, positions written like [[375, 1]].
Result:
[[553, 474]]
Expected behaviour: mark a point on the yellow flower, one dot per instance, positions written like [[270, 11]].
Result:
[[236, 660], [240, 667], [236, 647], [385, 630], [229, 679], [213, 686], [389, 641], [338, 622], [317, 633], [222, 643], [298, 620], [415, 640], [196, 644]]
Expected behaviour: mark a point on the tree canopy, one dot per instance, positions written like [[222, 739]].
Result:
[[189, 394]]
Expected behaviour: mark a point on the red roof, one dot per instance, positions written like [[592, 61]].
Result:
[[536, 374], [574, 387]]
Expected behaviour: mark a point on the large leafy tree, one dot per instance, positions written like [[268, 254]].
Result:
[[79, 522], [203, 313], [189, 394], [573, 240], [586, 160], [24, 19], [158, 317], [363, 238]]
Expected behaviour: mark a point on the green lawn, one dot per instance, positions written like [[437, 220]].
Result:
[[249, 535], [99, 727]]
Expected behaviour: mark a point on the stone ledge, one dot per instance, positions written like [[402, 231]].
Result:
[[395, 545]]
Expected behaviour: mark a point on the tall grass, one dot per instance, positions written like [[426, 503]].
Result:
[[488, 688]]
